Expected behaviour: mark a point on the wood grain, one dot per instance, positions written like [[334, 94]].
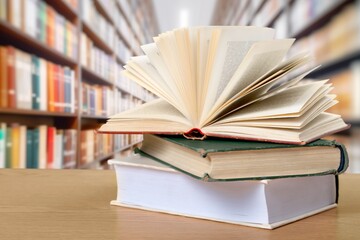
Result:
[[74, 204]]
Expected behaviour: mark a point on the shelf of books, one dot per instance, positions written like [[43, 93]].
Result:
[[60, 78], [330, 30]]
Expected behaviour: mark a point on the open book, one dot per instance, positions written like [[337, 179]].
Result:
[[227, 82]]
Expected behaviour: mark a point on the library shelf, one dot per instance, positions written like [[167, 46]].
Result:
[[94, 117], [23, 41], [321, 20], [93, 77], [100, 43], [124, 39], [259, 7], [64, 9], [128, 146], [17, 111], [104, 12], [119, 60], [128, 23], [336, 64], [272, 20], [97, 160], [122, 89]]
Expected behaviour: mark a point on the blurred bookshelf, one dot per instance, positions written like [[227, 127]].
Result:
[[60, 64], [330, 31]]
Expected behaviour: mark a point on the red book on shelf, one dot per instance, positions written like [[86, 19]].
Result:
[[51, 131], [61, 89], [50, 26], [51, 86], [11, 77], [56, 84], [3, 77]]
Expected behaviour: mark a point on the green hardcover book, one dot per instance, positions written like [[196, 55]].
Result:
[[35, 158], [42, 13], [35, 77], [8, 148], [226, 159], [29, 148]]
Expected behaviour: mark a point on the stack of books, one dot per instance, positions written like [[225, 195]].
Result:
[[235, 134]]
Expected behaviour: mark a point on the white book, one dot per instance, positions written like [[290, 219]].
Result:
[[42, 146], [23, 80], [30, 16], [59, 150], [15, 14], [43, 85], [148, 185]]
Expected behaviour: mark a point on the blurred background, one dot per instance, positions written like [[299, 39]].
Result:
[[60, 63]]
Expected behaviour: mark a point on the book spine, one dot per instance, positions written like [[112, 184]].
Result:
[[2, 145], [51, 87], [22, 142], [15, 150], [42, 146], [43, 89], [29, 148], [3, 77], [50, 147], [35, 82], [8, 151], [36, 148], [11, 77]]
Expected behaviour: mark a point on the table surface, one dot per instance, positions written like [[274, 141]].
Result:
[[74, 204]]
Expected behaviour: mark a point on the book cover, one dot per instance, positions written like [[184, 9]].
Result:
[[226, 159], [264, 204]]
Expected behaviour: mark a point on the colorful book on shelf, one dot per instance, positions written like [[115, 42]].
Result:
[[35, 77], [29, 148], [227, 159], [230, 82], [263, 204], [11, 84], [3, 77], [2, 145]]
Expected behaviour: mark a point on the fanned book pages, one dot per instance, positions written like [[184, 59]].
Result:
[[231, 82]]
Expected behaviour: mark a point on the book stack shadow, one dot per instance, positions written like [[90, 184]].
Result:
[[236, 134]]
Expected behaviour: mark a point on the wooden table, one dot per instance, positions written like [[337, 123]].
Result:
[[74, 204]]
